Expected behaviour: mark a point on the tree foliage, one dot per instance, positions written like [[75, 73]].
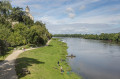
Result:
[[16, 14], [25, 32], [102, 36], [3, 48], [5, 8]]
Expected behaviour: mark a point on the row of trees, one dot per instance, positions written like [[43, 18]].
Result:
[[102, 36], [22, 33], [67, 35]]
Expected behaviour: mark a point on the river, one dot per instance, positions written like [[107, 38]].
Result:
[[94, 59]]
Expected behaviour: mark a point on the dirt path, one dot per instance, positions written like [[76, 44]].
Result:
[[48, 42], [7, 67]]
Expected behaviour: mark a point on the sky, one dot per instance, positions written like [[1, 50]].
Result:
[[75, 16]]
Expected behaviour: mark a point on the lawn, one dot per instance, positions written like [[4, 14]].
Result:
[[42, 62]]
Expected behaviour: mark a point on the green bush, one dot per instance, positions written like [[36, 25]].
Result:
[[10, 48]]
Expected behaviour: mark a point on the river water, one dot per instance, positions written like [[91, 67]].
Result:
[[94, 59]]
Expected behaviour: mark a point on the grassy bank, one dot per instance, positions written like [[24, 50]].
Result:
[[42, 62]]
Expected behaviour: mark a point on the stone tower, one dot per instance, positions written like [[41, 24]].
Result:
[[27, 10]]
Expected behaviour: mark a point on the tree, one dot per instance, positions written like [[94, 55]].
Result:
[[4, 33], [17, 14], [19, 35], [39, 23], [119, 37], [27, 21], [36, 35], [5, 8], [116, 37], [16, 39], [26, 32], [3, 48]]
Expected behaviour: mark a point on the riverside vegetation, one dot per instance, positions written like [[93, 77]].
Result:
[[25, 32], [115, 37], [42, 62]]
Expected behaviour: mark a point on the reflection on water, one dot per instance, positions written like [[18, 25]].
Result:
[[94, 59]]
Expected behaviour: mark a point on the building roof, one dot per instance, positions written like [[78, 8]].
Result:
[[28, 8]]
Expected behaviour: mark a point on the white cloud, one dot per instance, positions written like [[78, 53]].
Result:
[[99, 19], [83, 28], [95, 0], [70, 12], [20, 3], [54, 14], [69, 9], [48, 20], [71, 15], [35, 6], [82, 7]]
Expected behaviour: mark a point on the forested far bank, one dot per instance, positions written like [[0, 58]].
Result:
[[103, 36], [16, 28]]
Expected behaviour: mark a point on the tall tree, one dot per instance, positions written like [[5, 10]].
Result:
[[17, 14], [5, 8]]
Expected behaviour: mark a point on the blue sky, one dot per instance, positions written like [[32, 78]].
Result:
[[75, 16]]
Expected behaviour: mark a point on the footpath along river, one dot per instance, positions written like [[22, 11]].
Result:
[[94, 59]]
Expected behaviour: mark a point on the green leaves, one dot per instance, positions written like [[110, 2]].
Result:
[[25, 32], [16, 14], [22, 35], [16, 39], [38, 34], [27, 21], [102, 36], [4, 32], [3, 47]]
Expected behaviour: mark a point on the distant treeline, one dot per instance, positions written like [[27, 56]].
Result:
[[102, 36], [26, 31]]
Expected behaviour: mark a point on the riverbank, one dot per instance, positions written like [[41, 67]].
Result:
[[111, 37], [95, 59], [42, 62]]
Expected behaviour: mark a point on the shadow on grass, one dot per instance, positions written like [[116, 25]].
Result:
[[25, 62], [2, 57], [50, 45]]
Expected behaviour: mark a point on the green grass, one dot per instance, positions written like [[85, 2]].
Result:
[[42, 62]]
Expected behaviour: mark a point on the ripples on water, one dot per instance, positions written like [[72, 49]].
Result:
[[94, 59]]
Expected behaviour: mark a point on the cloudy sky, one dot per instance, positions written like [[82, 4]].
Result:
[[75, 16]]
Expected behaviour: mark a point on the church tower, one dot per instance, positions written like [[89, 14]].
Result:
[[27, 10]]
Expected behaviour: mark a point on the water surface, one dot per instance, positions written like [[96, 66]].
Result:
[[95, 59]]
